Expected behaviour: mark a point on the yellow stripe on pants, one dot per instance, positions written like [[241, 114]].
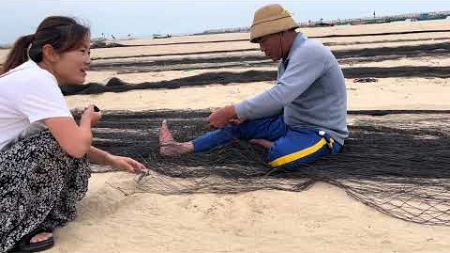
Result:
[[299, 154]]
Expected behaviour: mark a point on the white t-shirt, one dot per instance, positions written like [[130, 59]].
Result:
[[28, 95]]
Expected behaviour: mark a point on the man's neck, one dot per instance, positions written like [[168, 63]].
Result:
[[289, 39]]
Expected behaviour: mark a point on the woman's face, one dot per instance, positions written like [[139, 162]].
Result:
[[70, 67]]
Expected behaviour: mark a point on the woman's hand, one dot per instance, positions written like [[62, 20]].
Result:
[[126, 164], [90, 115]]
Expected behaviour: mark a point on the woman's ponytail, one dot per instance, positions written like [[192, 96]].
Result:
[[18, 53]]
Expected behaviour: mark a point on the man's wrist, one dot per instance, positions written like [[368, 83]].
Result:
[[239, 110], [231, 111]]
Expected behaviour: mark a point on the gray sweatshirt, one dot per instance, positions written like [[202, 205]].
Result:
[[310, 92]]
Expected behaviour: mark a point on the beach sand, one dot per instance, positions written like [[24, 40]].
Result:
[[321, 219]]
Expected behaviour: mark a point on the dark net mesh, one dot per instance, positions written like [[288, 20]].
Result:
[[396, 163]]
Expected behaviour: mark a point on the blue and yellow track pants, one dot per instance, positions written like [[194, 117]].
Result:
[[291, 148]]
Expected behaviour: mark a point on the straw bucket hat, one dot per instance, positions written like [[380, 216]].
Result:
[[271, 19]]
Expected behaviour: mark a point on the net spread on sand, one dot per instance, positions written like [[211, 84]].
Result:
[[397, 163]]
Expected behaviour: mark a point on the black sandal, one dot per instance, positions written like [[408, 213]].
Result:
[[25, 246]]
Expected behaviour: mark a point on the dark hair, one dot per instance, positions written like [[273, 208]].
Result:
[[62, 33]]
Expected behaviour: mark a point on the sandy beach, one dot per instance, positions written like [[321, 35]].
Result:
[[321, 219]]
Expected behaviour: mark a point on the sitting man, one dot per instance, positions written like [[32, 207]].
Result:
[[300, 119]]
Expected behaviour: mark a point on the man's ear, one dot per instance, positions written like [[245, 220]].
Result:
[[49, 53]]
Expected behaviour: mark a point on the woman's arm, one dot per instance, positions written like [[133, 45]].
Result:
[[77, 140], [101, 157], [74, 140], [98, 156]]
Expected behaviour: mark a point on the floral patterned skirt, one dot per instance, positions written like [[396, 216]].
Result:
[[39, 187]]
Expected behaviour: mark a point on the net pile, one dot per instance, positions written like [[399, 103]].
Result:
[[398, 164]]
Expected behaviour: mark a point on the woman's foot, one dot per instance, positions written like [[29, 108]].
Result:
[[36, 241], [168, 145], [44, 236]]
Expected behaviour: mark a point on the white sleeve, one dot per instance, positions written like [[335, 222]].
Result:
[[41, 99]]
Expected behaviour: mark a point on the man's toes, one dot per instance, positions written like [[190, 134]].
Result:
[[164, 133]]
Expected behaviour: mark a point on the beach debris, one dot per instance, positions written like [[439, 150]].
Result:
[[365, 80], [115, 82]]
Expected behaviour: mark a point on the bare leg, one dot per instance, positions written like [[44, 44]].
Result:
[[261, 142], [168, 145]]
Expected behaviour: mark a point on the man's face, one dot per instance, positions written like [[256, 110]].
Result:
[[271, 46]]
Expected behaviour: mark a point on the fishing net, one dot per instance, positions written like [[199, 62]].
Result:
[[398, 163]]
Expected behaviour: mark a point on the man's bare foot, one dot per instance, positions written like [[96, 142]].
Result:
[[41, 237], [168, 145], [175, 148], [164, 133], [261, 142]]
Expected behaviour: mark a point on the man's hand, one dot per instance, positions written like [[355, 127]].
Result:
[[222, 117], [126, 164], [236, 121]]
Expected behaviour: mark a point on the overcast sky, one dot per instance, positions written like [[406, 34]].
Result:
[[144, 18]]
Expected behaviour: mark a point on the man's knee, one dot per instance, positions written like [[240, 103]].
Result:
[[299, 149], [270, 129]]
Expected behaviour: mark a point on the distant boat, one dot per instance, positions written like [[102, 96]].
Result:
[[159, 36]]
